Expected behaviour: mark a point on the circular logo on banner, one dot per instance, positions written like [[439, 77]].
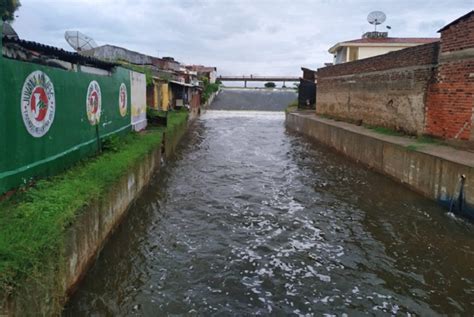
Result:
[[123, 100], [94, 102], [38, 103]]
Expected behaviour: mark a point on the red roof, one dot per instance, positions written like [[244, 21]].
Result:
[[401, 40]]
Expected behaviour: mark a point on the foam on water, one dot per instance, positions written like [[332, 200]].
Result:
[[252, 220]]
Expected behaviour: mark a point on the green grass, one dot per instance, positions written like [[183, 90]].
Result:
[[293, 106], [426, 139], [386, 131], [32, 222], [423, 141], [153, 113], [413, 147]]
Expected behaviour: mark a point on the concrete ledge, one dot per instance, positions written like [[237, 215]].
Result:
[[431, 170]]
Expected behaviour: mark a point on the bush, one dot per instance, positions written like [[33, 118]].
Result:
[[208, 89]]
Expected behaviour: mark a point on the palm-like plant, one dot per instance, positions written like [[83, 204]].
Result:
[[8, 8]]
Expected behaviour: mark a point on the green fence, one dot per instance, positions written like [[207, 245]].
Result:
[[49, 117]]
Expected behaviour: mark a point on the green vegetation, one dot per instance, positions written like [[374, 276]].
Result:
[[420, 141], [33, 221], [208, 89], [139, 69], [270, 85], [423, 141], [413, 147], [8, 9], [292, 107], [426, 139], [154, 113], [386, 131]]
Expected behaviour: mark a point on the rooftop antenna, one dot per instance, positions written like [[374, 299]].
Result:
[[79, 41], [376, 18]]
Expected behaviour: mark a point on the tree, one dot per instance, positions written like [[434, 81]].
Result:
[[270, 85], [8, 8]]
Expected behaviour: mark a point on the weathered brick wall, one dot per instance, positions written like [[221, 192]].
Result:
[[414, 56], [387, 90], [450, 103], [459, 35]]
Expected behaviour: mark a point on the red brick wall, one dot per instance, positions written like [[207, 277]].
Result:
[[414, 56], [424, 89], [450, 101], [459, 35], [387, 90]]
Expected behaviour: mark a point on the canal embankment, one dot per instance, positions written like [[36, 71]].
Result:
[[430, 169], [53, 231]]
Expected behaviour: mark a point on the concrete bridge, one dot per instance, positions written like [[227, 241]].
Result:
[[245, 79]]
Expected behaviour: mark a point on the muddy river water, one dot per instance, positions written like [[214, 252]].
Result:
[[251, 219]]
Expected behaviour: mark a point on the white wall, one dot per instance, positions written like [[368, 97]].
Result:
[[213, 77], [365, 52], [341, 56], [138, 100]]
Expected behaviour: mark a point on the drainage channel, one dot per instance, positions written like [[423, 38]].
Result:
[[251, 219]]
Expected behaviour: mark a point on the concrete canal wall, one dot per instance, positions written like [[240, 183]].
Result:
[[431, 170], [47, 290]]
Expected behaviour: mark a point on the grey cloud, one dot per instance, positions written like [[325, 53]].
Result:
[[237, 36]]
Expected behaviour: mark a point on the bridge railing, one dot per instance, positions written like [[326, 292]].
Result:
[[258, 78]]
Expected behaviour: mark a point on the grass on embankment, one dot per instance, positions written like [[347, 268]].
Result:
[[292, 107], [419, 141], [32, 223]]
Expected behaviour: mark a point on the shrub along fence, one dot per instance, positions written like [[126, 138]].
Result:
[[52, 117]]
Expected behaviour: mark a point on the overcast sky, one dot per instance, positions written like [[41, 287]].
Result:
[[265, 37]]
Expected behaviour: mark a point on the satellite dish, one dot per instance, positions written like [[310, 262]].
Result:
[[376, 18], [78, 41]]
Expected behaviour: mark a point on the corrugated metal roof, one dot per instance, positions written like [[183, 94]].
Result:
[[181, 83], [59, 53]]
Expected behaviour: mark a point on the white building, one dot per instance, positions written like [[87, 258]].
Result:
[[373, 44]]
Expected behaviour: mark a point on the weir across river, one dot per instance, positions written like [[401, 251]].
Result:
[[252, 219]]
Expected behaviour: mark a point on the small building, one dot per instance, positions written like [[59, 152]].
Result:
[[204, 71], [373, 44], [158, 94], [307, 89], [170, 84]]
